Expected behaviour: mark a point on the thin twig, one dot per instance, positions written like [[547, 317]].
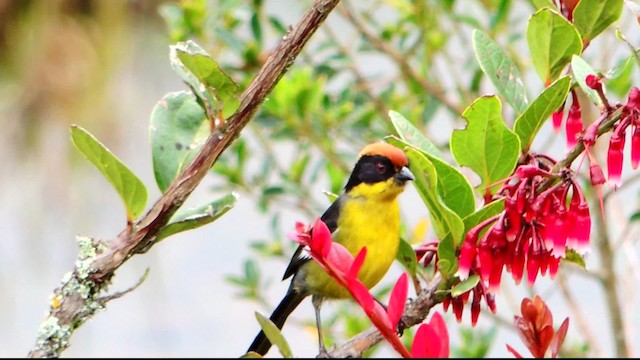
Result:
[[407, 71], [578, 316]]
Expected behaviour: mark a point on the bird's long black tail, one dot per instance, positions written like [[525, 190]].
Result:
[[291, 300]]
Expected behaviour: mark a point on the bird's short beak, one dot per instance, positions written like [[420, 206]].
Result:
[[404, 175]]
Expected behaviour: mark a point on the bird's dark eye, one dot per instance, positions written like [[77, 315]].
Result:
[[380, 168]]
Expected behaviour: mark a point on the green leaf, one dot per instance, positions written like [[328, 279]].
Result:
[[539, 4], [580, 70], [573, 257], [529, 123], [453, 187], [274, 335], [407, 257], [619, 78], [412, 135], [486, 145], [131, 189], [499, 68], [446, 223], [217, 91], [196, 217], [447, 261], [487, 211], [465, 285], [591, 17], [552, 41], [178, 130]]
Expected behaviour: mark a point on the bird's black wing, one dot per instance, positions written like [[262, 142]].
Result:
[[330, 217]]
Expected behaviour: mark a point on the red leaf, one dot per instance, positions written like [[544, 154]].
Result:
[[514, 352], [426, 343], [440, 327], [321, 238], [357, 263], [340, 259], [556, 344], [397, 300], [361, 294]]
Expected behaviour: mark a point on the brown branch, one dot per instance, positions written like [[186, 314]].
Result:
[[76, 300]]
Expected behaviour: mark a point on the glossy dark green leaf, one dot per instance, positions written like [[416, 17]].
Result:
[[130, 188]]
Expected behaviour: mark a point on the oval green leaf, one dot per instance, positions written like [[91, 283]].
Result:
[[130, 188], [407, 257], [454, 188], [591, 17], [500, 70], [486, 145], [216, 89], [581, 69], [196, 217], [552, 41], [485, 212], [529, 123], [464, 286], [410, 134], [178, 130], [274, 335], [446, 223]]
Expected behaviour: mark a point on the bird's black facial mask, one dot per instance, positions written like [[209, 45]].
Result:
[[371, 169]]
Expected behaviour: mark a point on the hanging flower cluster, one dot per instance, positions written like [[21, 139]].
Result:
[[630, 117], [431, 340], [426, 253], [533, 231]]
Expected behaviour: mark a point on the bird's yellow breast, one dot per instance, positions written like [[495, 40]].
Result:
[[369, 217]]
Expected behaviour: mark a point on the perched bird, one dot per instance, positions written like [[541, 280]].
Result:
[[365, 214]]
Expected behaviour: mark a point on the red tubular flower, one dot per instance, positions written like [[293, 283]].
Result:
[[475, 307], [583, 225], [635, 147], [458, 308], [614, 159], [556, 118], [467, 255], [573, 125]]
